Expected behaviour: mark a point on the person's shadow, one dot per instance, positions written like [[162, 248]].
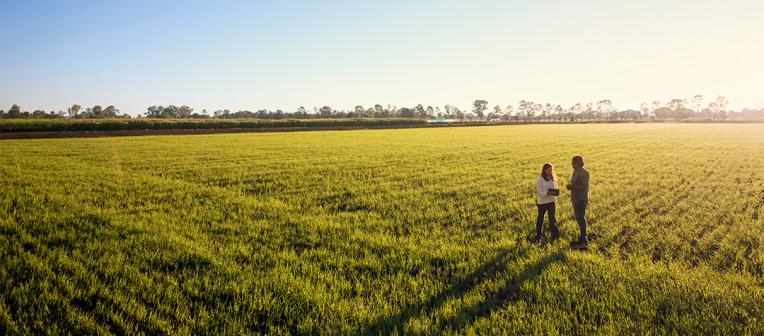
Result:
[[490, 269]]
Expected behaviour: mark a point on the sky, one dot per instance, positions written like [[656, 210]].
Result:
[[250, 55]]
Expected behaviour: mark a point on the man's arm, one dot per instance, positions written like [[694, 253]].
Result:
[[569, 186]]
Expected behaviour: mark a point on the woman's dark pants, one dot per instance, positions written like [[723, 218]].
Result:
[[548, 208]]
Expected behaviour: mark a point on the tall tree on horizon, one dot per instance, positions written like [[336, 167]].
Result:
[[721, 106], [74, 110], [697, 102], [478, 107]]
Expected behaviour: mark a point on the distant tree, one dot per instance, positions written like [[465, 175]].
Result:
[[509, 111], [676, 104], [721, 106], [589, 111], [605, 109], [14, 111], [697, 102], [380, 111], [645, 110], [683, 113], [449, 111], [392, 111], [458, 113], [93, 112], [655, 105], [711, 110], [74, 111], [599, 108], [538, 108], [220, 113], [496, 114], [430, 112], [156, 111], [420, 111], [523, 109], [558, 112], [183, 112], [325, 111], [407, 112], [110, 112], [545, 110], [535, 110], [752, 114], [576, 111], [663, 112], [478, 107]]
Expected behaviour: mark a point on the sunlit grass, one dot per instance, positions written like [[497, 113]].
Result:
[[414, 231]]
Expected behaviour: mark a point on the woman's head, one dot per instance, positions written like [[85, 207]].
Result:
[[547, 172]]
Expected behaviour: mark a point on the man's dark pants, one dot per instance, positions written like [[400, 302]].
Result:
[[579, 207]]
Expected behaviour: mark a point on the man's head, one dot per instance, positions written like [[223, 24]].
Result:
[[578, 162]]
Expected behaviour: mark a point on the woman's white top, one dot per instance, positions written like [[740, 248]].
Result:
[[542, 186]]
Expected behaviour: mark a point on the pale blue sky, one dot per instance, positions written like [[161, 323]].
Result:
[[283, 54]]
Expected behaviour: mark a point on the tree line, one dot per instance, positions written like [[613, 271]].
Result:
[[523, 111], [74, 112]]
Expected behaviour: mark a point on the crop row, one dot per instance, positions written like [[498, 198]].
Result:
[[76, 125]]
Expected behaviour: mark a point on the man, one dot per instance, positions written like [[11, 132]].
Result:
[[579, 194]]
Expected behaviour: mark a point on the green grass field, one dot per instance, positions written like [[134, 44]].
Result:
[[414, 231]]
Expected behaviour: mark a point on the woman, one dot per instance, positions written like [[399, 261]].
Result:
[[546, 200]]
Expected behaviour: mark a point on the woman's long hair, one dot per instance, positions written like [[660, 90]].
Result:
[[551, 176]]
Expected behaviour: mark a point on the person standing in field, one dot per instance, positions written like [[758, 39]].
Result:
[[546, 201], [579, 194]]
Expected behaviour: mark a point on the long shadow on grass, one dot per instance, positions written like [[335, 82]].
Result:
[[509, 293], [488, 270]]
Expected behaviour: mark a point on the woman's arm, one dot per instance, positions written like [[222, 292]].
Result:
[[541, 188]]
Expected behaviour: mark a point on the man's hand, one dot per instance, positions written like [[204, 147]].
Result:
[[569, 187]]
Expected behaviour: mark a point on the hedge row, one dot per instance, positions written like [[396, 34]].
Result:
[[66, 125]]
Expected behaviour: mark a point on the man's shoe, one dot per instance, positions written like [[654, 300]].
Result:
[[555, 236], [534, 239], [580, 246]]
